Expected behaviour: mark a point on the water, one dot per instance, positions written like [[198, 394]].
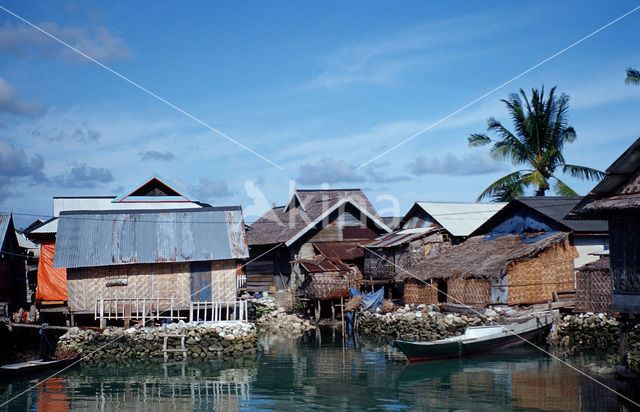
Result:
[[314, 374]]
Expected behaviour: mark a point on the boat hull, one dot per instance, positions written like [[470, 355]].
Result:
[[477, 340], [35, 366]]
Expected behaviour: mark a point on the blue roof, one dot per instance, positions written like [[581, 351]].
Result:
[[106, 238]]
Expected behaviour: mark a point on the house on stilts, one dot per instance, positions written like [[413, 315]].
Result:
[[617, 199], [310, 245], [134, 265]]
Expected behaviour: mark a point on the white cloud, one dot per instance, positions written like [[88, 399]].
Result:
[[380, 60], [10, 103], [97, 42], [328, 170], [471, 164]]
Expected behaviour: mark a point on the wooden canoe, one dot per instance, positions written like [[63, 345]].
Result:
[[478, 339]]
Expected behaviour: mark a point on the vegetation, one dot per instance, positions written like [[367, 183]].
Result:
[[541, 131], [633, 76]]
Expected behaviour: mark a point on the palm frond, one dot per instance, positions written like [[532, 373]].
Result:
[[562, 189], [633, 76], [582, 172], [478, 139], [536, 179], [505, 188]]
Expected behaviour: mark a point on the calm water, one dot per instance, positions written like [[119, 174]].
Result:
[[314, 374]]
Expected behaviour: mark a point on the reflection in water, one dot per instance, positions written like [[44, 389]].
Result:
[[320, 372]]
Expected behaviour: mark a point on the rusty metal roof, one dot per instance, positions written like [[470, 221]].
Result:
[[322, 265], [105, 238], [401, 237], [341, 251]]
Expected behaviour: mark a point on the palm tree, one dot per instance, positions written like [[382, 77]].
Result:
[[541, 131], [633, 76]]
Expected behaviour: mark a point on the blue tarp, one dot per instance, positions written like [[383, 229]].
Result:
[[370, 301], [521, 222]]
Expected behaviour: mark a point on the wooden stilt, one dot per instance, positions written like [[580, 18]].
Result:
[[333, 311], [342, 315]]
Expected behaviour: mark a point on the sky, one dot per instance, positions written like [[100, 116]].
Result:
[[244, 100]]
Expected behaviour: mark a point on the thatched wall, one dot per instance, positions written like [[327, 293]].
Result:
[[326, 286], [418, 292], [534, 280], [405, 256], [471, 291], [593, 287], [161, 280]]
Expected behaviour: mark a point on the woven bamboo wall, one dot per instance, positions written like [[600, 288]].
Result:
[[417, 292], [535, 280], [161, 280], [471, 291], [593, 290]]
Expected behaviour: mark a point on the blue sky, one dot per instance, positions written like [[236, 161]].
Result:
[[318, 89]]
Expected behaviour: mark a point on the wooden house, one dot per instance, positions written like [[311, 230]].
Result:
[[617, 199], [593, 287], [548, 213], [173, 255], [425, 231], [153, 192], [313, 224], [12, 266], [507, 269]]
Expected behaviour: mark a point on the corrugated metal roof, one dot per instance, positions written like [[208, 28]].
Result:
[[89, 239], [322, 265], [400, 237], [61, 204], [460, 219], [4, 227], [342, 251], [50, 226]]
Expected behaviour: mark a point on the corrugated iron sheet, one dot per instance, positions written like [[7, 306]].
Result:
[[460, 219], [342, 251], [90, 239], [4, 226], [61, 204], [400, 238], [323, 265]]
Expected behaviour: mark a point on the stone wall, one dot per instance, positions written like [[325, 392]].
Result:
[[594, 331], [207, 340], [421, 323]]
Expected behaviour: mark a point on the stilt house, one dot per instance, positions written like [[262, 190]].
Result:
[[484, 270], [313, 227], [174, 256]]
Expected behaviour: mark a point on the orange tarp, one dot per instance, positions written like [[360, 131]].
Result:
[[52, 283]]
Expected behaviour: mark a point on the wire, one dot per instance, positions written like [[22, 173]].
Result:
[[504, 328]]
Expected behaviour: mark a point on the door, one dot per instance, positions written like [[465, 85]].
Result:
[[200, 281]]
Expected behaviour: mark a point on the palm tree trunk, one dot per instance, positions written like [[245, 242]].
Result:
[[540, 192]]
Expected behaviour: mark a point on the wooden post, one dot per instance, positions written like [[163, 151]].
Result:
[[144, 311], [103, 322], [318, 311], [190, 311], [342, 315], [171, 308], [333, 311]]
